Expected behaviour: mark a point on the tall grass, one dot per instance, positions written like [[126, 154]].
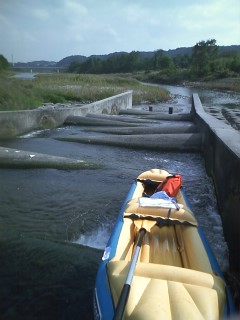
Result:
[[17, 94]]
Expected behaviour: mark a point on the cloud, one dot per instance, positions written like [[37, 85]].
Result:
[[216, 19], [41, 14], [75, 7], [53, 29]]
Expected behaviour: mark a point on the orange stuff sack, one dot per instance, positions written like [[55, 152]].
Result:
[[170, 185]]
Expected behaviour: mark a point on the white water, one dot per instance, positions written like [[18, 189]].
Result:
[[95, 239]]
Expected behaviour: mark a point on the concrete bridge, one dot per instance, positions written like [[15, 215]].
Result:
[[193, 131], [38, 69]]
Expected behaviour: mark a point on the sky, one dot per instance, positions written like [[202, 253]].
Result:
[[32, 30]]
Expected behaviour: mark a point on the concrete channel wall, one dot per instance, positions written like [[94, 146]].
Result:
[[14, 123], [221, 150]]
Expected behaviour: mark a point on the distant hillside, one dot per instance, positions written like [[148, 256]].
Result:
[[107, 56], [229, 48], [35, 64], [179, 51], [144, 54], [65, 62]]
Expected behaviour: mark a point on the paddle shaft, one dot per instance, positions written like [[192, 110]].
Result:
[[126, 288]]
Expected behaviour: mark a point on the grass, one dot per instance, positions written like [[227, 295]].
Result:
[[182, 77], [17, 94]]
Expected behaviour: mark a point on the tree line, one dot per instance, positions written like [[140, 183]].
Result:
[[204, 62]]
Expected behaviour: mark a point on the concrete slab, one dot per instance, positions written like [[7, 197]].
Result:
[[13, 158], [167, 127], [170, 142], [158, 115], [90, 121]]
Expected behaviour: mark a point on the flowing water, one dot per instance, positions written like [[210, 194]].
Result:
[[54, 224]]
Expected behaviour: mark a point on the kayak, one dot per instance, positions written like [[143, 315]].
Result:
[[157, 263]]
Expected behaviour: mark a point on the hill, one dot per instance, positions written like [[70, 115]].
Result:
[[65, 62]]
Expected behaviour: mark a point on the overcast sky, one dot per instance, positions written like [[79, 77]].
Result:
[[53, 29]]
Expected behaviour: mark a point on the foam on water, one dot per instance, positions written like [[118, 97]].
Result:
[[95, 239], [212, 226]]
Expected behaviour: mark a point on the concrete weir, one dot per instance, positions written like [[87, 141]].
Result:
[[15, 123], [123, 126], [139, 130], [196, 131]]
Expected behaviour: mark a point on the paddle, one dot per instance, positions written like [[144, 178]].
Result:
[[143, 226]]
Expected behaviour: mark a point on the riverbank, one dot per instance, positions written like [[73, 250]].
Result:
[[182, 79], [33, 92], [28, 94], [229, 84]]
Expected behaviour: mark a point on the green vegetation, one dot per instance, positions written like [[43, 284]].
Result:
[[17, 94], [96, 79], [3, 63], [205, 63]]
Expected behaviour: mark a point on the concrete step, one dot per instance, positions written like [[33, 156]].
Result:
[[158, 142], [166, 127], [89, 121]]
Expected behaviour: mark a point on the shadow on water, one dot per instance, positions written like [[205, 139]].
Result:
[[42, 279]]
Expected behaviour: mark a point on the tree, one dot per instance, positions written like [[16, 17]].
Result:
[[3, 63], [182, 61], [133, 61], [235, 65], [203, 54], [161, 61]]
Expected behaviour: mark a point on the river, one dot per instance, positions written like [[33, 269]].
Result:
[[54, 224]]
